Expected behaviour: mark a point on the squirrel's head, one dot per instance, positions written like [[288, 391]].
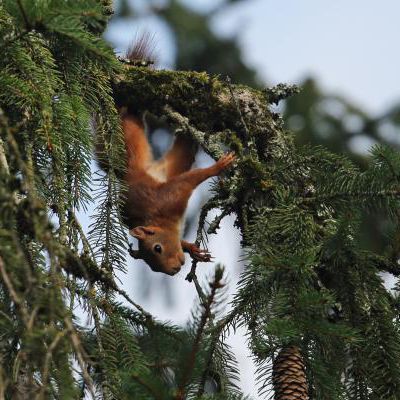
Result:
[[161, 249]]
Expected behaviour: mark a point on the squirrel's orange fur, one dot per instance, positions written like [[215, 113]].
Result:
[[158, 192]]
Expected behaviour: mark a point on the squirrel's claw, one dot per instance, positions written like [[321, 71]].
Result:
[[201, 255], [225, 161]]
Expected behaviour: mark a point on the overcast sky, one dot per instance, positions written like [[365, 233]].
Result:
[[351, 46]]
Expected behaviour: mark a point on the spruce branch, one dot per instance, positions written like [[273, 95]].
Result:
[[148, 387], [351, 195], [141, 318], [14, 38], [97, 324], [47, 360], [13, 293], [214, 225], [200, 292], [24, 16], [87, 248], [51, 86], [393, 249], [90, 271], [205, 316], [10, 138], [280, 92], [96, 274], [239, 111], [137, 306], [204, 375], [211, 204], [182, 124], [80, 355], [217, 331]]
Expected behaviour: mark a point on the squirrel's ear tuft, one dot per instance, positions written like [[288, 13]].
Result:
[[140, 232]]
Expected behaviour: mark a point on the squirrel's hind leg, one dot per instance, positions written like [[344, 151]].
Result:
[[179, 158]]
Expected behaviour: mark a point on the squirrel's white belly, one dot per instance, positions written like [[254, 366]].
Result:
[[158, 172]]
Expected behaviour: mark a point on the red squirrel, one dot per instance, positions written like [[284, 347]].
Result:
[[157, 197]]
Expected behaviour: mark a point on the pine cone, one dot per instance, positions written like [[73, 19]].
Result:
[[289, 375]]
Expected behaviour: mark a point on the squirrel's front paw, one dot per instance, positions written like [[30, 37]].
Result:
[[199, 254], [225, 161]]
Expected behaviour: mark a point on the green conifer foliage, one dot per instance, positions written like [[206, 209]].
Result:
[[308, 284]]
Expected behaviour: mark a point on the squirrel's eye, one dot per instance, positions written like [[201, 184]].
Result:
[[157, 248]]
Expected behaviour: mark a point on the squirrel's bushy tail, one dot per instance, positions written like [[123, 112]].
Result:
[[138, 150]]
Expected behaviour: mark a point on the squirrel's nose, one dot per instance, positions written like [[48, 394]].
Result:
[[181, 259]]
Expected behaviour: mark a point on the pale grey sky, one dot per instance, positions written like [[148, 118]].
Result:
[[350, 45]]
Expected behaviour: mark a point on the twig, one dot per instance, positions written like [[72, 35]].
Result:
[[217, 220], [110, 309], [26, 183], [202, 296], [212, 203], [204, 375], [147, 386], [212, 149], [218, 329], [48, 357], [33, 316], [96, 318], [85, 242], [97, 274], [13, 294], [3, 159], [381, 193], [76, 343], [24, 16], [140, 308], [215, 285], [221, 324], [228, 80], [3, 384]]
